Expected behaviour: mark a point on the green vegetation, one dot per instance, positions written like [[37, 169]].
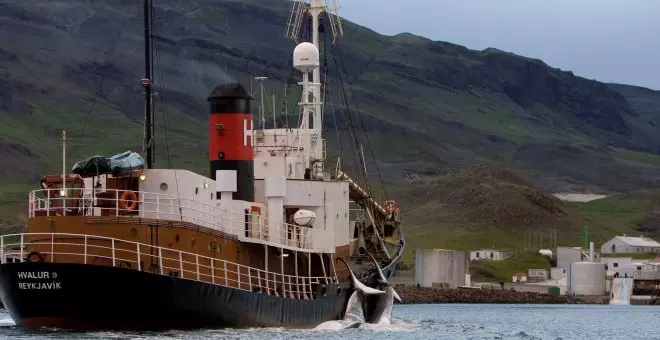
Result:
[[497, 271], [635, 256], [426, 105], [13, 205], [610, 217], [454, 226], [636, 156]]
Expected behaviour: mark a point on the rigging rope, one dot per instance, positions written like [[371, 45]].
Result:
[[99, 86], [380, 178], [347, 117], [165, 114], [326, 81]]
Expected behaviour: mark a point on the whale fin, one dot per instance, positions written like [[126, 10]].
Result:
[[382, 280], [359, 285], [396, 296], [381, 276], [354, 311]]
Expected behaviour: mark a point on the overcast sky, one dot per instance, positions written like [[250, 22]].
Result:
[[608, 40]]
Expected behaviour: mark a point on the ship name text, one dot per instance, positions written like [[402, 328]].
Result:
[[51, 278]]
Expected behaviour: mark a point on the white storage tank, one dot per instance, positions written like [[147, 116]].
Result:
[[441, 266], [586, 278]]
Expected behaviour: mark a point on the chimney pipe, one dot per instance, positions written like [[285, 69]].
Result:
[[230, 136]]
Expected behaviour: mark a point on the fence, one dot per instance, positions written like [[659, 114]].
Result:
[[98, 250], [92, 202]]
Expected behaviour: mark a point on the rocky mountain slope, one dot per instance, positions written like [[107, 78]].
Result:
[[425, 104]]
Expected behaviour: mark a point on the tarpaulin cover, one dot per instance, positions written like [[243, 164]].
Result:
[[118, 164]]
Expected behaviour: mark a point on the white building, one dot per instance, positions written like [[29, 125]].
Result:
[[627, 245], [538, 274], [519, 277], [626, 266], [487, 254]]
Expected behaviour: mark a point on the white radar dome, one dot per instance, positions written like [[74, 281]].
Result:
[[304, 218], [306, 57]]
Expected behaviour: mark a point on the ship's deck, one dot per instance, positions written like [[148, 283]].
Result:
[[162, 207]]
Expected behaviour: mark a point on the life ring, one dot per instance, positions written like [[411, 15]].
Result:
[[126, 197], [40, 258], [391, 206]]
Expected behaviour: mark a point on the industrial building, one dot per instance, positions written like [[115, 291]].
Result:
[[441, 266], [566, 255], [578, 271], [586, 279], [487, 254], [558, 273], [627, 245]]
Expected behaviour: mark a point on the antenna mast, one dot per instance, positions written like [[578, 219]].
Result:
[[299, 11], [260, 80], [146, 82]]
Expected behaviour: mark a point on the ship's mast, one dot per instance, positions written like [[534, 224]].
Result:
[[146, 82], [311, 103]]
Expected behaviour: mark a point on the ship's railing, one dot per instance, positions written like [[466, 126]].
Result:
[[94, 202], [99, 250]]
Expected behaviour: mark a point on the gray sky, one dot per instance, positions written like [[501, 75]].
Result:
[[607, 40]]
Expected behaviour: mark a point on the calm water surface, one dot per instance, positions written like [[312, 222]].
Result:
[[432, 322]]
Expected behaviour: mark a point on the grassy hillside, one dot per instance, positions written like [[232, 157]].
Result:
[[423, 105], [485, 207]]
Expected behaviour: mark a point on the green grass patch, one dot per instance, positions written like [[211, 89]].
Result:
[[635, 256], [610, 217], [636, 156], [13, 205], [496, 271], [463, 237]]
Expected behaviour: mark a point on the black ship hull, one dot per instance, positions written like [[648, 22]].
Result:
[[79, 296]]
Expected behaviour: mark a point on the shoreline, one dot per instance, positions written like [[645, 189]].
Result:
[[427, 295]]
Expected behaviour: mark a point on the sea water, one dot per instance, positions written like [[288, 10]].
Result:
[[440, 321]]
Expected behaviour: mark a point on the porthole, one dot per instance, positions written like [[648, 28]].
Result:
[[196, 190], [133, 232], [163, 186], [176, 238], [212, 245], [194, 242]]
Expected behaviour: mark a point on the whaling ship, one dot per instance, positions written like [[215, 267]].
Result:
[[267, 240]]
